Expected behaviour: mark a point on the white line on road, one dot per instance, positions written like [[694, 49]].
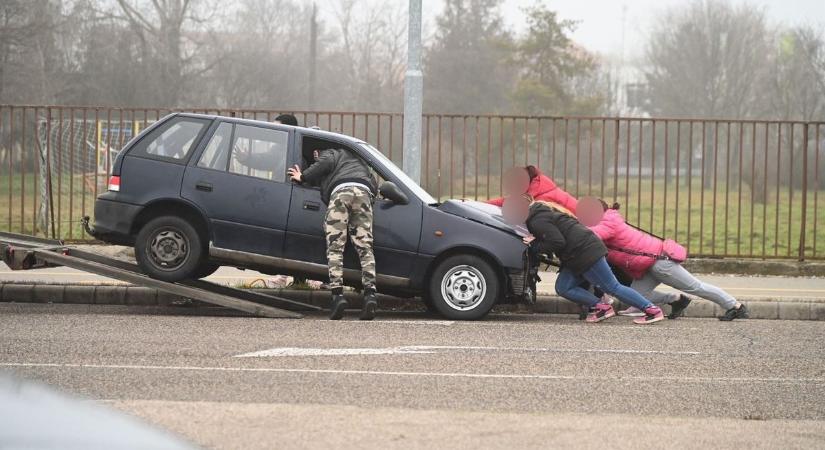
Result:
[[428, 349], [423, 374]]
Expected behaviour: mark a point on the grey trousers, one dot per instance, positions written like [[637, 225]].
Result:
[[674, 275]]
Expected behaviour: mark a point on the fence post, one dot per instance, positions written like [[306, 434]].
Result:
[[804, 191]]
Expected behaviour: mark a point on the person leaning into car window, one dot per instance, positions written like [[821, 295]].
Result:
[[348, 188], [265, 160]]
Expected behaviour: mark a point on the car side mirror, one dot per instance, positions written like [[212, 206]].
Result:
[[391, 192]]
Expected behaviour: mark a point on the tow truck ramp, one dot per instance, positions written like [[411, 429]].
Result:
[[23, 252]]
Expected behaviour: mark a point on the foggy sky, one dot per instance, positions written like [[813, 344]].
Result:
[[600, 27]]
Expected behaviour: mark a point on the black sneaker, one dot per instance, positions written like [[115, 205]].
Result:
[[677, 308], [736, 313], [370, 305], [337, 306]]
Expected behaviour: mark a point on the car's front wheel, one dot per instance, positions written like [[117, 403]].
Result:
[[169, 248], [464, 287]]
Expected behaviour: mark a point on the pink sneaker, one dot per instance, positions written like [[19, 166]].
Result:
[[652, 314], [631, 312], [600, 312]]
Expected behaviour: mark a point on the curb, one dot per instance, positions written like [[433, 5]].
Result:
[[135, 296], [758, 267]]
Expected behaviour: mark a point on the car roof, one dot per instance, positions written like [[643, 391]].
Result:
[[311, 132]]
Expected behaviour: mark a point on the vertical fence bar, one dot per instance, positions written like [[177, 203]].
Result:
[[23, 167], [578, 154], [677, 185], [451, 178], [9, 156], [715, 185], [553, 148], [778, 182], [426, 153], [804, 193], [666, 176], [489, 151], [59, 171], [564, 167], [627, 169], [513, 140], [440, 126], [464, 157], [790, 188], [475, 192], [816, 187], [501, 155], [539, 142], [727, 186], [652, 171], [71, 171], [49, 188], [702, 190], [526, 145], [616, 129], [604, 158], [690, 182], [765, 197], [753, 184], [590, 160], [739, 192], [639, 179]]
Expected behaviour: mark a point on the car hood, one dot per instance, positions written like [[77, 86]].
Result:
[[484, 213]]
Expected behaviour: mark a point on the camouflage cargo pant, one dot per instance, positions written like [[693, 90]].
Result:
[[349, 213]]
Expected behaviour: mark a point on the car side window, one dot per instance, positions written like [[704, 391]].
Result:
[[259, 152], [216, 154], [174, 139]]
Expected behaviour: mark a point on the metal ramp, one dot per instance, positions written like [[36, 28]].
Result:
[[23, 252]]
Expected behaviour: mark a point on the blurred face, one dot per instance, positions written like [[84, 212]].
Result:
[[589, 211], [516, 181], [515, 209]]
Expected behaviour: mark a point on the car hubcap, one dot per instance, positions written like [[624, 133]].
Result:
[[463, 288], [169, 249]]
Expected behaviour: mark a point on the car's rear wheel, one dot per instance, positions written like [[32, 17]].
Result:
[[464, 287], [169, 248]]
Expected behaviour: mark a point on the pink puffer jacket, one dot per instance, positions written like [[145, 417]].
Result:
[[617, 234]]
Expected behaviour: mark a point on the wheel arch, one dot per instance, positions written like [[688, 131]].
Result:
[[174, 207]]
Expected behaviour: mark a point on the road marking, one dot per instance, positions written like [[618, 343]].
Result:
[[425, 374], [430, 349]]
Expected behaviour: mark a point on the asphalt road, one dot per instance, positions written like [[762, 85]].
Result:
[[408, 381]]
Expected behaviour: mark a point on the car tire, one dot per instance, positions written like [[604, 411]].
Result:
[[206, 269], [464, 287], [169, 248]]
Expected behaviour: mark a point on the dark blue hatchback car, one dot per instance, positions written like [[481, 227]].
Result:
[[193, 192]]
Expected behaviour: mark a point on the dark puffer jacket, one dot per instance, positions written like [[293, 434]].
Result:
[[336, 166], [577, 247]]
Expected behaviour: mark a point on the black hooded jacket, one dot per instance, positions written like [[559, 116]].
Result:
[[557, 233], [336, 166]]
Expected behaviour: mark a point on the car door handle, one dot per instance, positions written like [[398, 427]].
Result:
[[206, 187], [312, 206]]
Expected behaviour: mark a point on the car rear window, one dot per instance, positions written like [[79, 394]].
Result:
[[172, 140]]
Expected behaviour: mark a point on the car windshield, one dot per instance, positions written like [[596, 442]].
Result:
[[400, 175]]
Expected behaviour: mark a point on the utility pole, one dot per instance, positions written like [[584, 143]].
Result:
[[313, 56], [413, 95]]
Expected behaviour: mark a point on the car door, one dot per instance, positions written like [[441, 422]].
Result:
[[396, 231], [239, 181]]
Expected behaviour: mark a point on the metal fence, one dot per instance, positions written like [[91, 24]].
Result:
[[724, 188]]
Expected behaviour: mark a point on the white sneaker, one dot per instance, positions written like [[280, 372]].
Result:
[[632, 312]]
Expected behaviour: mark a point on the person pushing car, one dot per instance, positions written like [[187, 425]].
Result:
[[348, 188]]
